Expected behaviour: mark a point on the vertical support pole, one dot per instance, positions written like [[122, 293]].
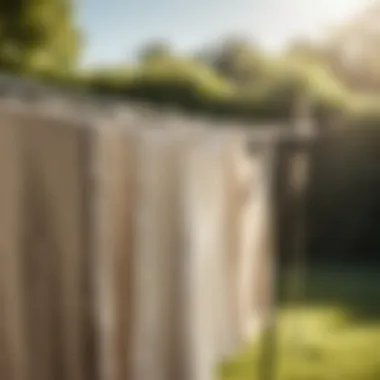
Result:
[[279, 154], [299, 167], [267, 364]]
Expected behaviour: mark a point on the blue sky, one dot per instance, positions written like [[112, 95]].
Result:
[[114, 29]]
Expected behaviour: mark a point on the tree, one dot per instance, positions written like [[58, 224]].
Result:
[[236, 59], [153, 51], [38, 35]]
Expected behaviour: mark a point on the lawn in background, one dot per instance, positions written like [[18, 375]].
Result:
[[333, 334]]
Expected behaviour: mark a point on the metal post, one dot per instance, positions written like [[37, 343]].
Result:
[[298, 143], [299, 168], [268, 358]]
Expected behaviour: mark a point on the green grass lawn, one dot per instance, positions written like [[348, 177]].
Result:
[[334, 334]]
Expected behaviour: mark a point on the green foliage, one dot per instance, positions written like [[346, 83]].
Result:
[[176, 81], [38, 36], [238, 61], [194, 85], [155, 51], [233, 80]]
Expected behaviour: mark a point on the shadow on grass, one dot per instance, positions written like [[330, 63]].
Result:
[[333, 334], [356, 290]]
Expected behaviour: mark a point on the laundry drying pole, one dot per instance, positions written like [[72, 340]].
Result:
[[288, 159]]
